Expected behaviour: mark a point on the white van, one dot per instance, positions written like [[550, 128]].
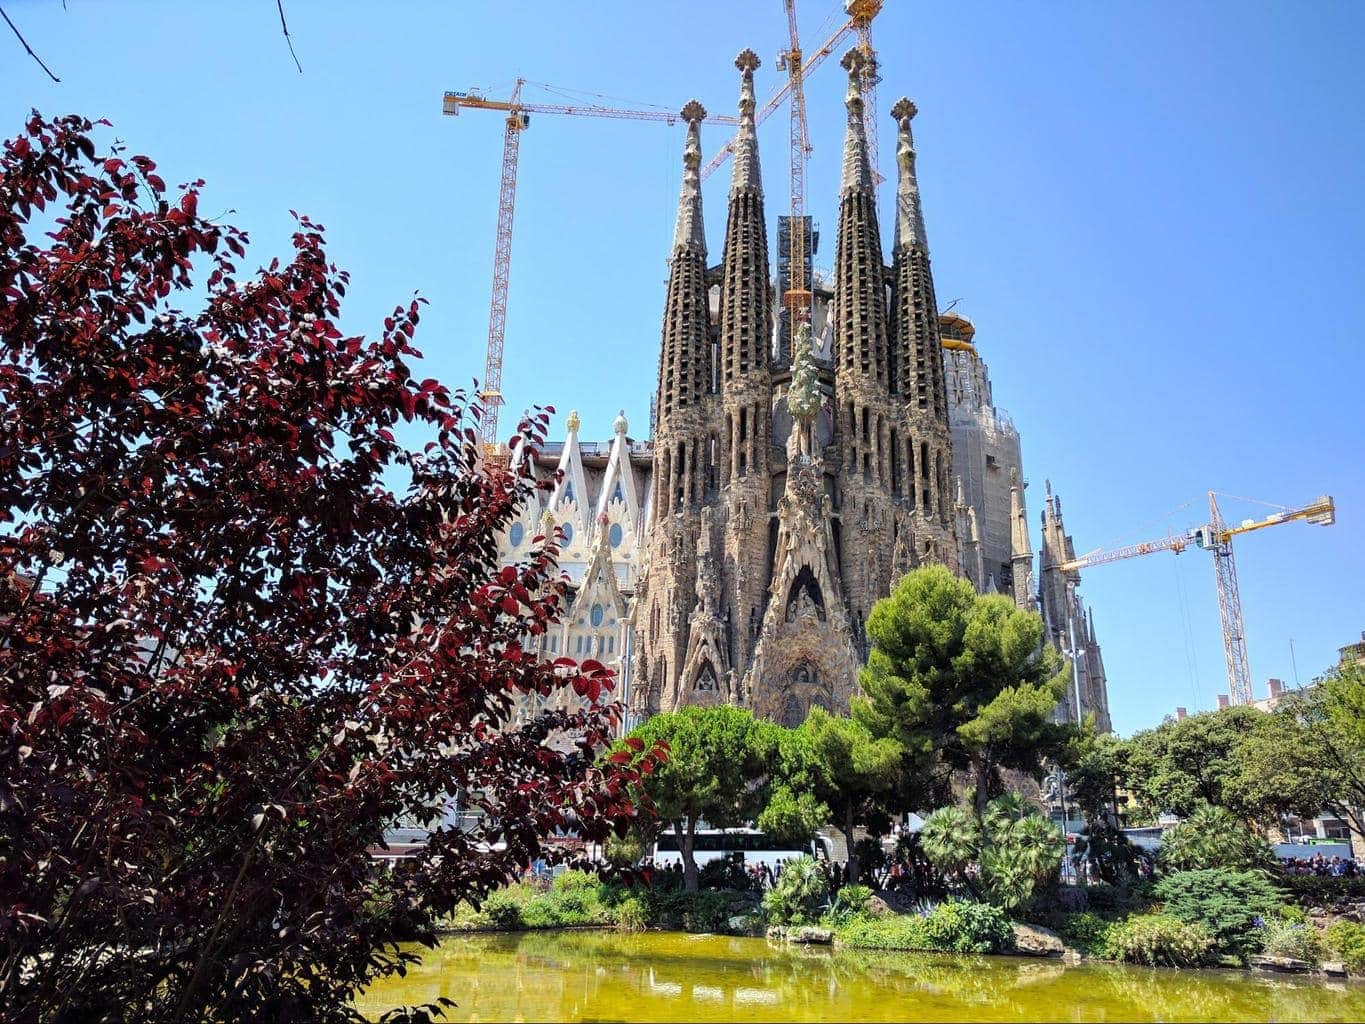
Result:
[[715, 844]]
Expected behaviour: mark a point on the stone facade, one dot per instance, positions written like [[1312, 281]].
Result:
[[789, 483]]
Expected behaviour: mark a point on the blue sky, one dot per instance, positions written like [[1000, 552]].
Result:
[[1152, 212]]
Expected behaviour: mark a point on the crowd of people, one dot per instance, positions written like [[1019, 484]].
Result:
[[1336, 867]]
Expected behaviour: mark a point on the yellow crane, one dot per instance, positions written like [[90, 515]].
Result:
[[1215, 537], [518, 120]]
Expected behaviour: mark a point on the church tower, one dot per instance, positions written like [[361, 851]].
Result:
[[745, 382], [684, 445], [917, 358]]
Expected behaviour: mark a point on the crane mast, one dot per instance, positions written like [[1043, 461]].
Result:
[[797, 297], [1215, 537], [517, 121]]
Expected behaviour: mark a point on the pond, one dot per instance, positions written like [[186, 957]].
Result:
[[669, 976]]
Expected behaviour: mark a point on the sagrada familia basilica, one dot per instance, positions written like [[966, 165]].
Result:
[[793, 478]]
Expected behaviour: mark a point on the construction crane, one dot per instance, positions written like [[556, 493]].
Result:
[[797, 296], [861, 13], [1215, 537], [518, 120]]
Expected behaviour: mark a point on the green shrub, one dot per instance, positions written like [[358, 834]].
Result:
[[1160, 940], [1324, 891], [1090, 933], [705, 911], [1132, 896], [1225, 903], [883, 931], [965, 926], [631, 915], [798, 895], [1287, 938], [1346, 941], [576, 881], [502, 909], [849, 901], [1213, 837]]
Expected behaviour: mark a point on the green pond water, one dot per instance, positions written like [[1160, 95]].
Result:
[[668, 976]]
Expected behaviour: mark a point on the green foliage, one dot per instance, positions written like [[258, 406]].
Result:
[[1293, 939], [1090, 933], [1324, 891], [631, 915], [1094, 766], [502, 910], [798, 894], [1226, 903], [951, 839], [1184, 764], [966, 926], [849, 902], [1160, 940], [1313, 752], [625, 851], [576, 881], [883, 931], [1346, 941], [853, 774], [1014, 845], [962, 678], [1128, 897], [719, 758], [1213, 837], [1110, 854], [957, 926]]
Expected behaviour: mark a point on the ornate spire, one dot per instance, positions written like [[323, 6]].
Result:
[[684, 356], [857, 168], [745, 173], [689, 232], [744, 293], [909, 214], [862, 349]]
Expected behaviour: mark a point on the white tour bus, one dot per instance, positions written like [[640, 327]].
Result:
[[714, 844]]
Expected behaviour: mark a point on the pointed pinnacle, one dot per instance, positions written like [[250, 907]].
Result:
[[692, 112], [745, 173], [747, 61]]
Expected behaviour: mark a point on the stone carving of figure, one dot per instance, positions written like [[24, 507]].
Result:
[[803, 398]]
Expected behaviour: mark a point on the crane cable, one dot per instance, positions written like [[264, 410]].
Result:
[[1187, 632]]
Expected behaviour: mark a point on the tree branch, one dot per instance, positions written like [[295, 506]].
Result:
[[279, 4], [19, 35]]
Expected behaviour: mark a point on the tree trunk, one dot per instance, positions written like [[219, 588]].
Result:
[[852, 856], [689, 862], [982, 796]]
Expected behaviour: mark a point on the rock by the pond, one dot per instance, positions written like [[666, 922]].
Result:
[[1279, 963], [811, 936], [1034, 940], [740, 924], [1335, 968]]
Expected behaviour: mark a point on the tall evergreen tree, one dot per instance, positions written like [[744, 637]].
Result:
[[963, 682]]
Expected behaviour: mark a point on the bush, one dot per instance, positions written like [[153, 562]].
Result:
[[1160, 940], [1324, 891], [576, 881], [631, 915], [1090, 933], [883, 931], [502, 909], [799, 893], [1225, 903], [1132, 896], [965, 926], [1293, 939], [705, 911], [1346, 941], [1213, 837], [849, 901]]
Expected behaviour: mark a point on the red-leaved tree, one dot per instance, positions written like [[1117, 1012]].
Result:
[[242, 628]]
